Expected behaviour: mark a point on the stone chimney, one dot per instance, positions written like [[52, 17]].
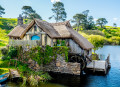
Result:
[[20, 20]]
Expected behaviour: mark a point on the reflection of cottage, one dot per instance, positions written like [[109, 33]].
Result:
[[48, 33]]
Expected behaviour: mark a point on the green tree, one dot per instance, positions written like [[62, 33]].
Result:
[[88, 22], [29, 13], [114, 25], [101, 22], [84, 20], [34, 15], [1, 11], [27, 10], [59, 12], [78, 20]]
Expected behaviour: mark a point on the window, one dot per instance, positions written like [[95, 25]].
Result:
[[35, 28], [87, 52], [35, 37]]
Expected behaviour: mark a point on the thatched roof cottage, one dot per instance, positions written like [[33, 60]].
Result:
[[48, 34]]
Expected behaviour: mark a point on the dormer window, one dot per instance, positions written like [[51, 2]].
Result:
[[35, 28]]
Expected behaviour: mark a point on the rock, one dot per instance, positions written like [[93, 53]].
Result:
[[30, 61], [58, 64], [39, 78]]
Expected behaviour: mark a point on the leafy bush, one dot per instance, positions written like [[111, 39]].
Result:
[[97, 41], [4, 51], [63, 43], [4, 64], [12, 52], [48, 54], [5, 57]]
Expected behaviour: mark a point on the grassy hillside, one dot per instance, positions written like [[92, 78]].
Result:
[[109, 34], [3, 38], [8, 23], [94, 32]]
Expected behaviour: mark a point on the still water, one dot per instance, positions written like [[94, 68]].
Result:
[[112, 79]]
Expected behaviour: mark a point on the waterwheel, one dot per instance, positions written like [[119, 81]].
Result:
[[79, 59]]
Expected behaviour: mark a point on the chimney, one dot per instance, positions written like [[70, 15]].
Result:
[[20, 20]]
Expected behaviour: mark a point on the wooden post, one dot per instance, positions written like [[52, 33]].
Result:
[[9, 63], [108, 60], [10, 75], [51, 42], [45, 39], [41, 39], [105, 68], [93, 66], [16, 63]]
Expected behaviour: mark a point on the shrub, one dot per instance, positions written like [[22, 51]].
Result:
[[5, 57], [63, 43], [97, 41], [12, 52], [58, 41], [4, 51]]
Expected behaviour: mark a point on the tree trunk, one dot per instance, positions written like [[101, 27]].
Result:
[[77, 29], [57, 19], [94, 51]]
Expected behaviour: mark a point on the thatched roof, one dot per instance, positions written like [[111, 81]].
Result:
[[54, 30], [65, 30], [17, 31]]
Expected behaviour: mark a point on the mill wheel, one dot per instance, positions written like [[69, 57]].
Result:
[[79, 59], [74, 58]]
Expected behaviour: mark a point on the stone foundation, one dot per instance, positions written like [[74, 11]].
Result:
[[58, 65], [63, 67]]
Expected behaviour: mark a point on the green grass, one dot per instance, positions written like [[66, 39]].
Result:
[[111, 35], [3, 38], [3, 70], [93, 32]]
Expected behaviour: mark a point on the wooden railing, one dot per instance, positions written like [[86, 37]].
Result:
[[24, 43], [108, 61]]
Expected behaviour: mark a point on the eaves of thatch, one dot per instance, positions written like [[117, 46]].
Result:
[[61, 30], [65, 30], [17, 31]]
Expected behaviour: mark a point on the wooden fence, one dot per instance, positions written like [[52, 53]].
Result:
[[30, 43]]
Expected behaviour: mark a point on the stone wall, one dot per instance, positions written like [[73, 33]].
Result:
[[58, 65], [63, 67]]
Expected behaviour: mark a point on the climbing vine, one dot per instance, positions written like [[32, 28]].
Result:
[[47, 54], [42, 55]]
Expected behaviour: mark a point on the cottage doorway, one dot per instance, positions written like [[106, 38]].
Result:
[[35, 37]]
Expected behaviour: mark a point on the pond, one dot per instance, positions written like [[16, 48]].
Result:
[[112, 79]]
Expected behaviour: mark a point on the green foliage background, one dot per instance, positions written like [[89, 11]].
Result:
[[8, 23], [109, 35]]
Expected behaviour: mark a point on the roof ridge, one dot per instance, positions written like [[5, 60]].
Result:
[[60, 23]]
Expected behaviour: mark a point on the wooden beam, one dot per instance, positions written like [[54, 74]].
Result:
[[33, 33], [51, 42], [41, 39], [45, 39]]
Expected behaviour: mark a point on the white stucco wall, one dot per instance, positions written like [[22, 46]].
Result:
[[75, 48]]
